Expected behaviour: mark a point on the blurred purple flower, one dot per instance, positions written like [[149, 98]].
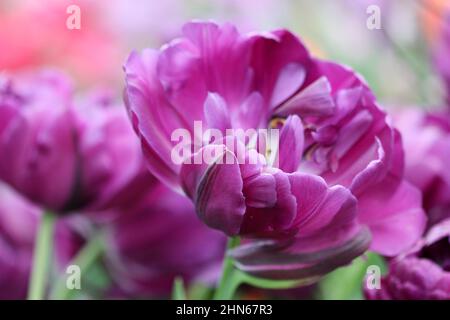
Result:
[[422, 274], [18, 224], [65, 156], [18, 220], [336, 151], [427, 148], [158, 240]]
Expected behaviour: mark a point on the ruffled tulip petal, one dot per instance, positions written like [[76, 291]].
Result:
[[288, 58], [220, 70], [280, 261], [41, 147], [318, 205], [260, 191], [291, 144], [216, 113]]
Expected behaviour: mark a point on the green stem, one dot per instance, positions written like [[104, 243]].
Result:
[[41, 257], [178, 292], [84, 259], [229, 281]]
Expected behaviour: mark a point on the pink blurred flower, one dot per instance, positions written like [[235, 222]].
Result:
[[336, 151], [36, 35]]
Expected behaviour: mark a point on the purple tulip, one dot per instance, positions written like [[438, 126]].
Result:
[[18, 224], [427, 148], [306, 203], [422, 274], [159, 239], [61, 155]]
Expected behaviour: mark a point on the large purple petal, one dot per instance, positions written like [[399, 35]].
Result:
[[395, 217], [218, 197]]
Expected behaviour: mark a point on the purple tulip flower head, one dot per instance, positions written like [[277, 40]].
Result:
[[159, 239], [423, 273], [62, 155], [304, 197]]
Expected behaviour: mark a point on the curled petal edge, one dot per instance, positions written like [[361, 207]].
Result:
[[265, 258]]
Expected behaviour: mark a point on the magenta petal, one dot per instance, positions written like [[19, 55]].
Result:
[[40, 147], [223, 67], [318, 205], [158, 166], [274, 219], [314, 100], [252, 113], [339, 76], [181, 78], [8, 107], [278, 61], [285, 209], [291, 78], [192, 172], [352, 132], [253, 163], [18, 225], [260, 191], [396, 219], [291, 144], [219, 200], [438, 232], [216, 113], [388, 165]]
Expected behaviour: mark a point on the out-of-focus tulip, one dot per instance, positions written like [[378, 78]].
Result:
[[66, 156], [158, 240], [336, 149], [422, 274], [427, 148], [18, 224], [37, 139]]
